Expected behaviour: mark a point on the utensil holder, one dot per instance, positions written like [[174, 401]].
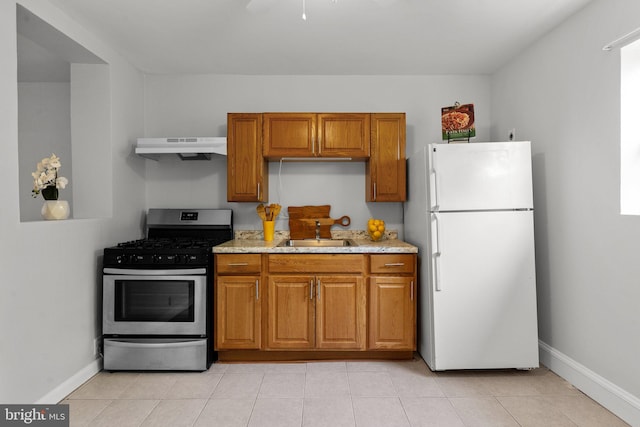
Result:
[[268, 228]]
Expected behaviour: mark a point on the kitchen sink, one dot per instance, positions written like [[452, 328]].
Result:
[[321, 243]]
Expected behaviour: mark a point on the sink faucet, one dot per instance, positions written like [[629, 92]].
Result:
[[317, 229]]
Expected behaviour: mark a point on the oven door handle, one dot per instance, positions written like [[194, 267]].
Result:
[[140, 272]]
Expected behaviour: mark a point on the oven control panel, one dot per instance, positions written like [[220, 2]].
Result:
[[188, 216], [151, 260]]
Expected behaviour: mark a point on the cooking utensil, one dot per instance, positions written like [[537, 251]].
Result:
[[262, 213], [268, 212], [276, 210]]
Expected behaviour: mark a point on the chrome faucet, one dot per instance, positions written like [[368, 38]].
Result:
[[317, 229]]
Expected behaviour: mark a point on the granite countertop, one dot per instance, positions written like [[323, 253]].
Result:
[[251, 242]]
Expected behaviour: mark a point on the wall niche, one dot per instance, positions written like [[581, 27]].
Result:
[[64, 108]]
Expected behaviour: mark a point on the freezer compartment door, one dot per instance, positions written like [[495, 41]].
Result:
[[481, 176], [484, 291]]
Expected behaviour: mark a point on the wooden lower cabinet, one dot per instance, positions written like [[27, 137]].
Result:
[[238, 312], [291, 316], [314, 306], [341, 313], [392, 313], [321, 312]]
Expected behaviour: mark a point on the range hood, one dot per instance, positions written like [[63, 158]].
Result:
[[187, 148]]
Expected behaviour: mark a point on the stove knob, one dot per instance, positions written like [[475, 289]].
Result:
[[133, 259], [176, 259]]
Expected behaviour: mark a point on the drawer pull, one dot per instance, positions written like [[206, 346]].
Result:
[[238, 264], [394, 264]]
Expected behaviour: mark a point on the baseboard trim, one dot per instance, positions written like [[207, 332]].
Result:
[[72, 383], [622, 403]]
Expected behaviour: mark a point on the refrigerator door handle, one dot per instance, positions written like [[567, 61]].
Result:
[[436, 271], [437, 253], [434, 174]]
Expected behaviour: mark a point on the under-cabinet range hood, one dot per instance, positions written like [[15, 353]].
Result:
[[187, 148]]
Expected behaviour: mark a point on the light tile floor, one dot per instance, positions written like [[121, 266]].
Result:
[[334, 394]]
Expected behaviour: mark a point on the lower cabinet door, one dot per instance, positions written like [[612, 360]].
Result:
[[291, 323], [238, 313], [392, 313], [340, 313]]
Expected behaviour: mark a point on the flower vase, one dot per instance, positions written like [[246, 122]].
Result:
[[50, 193], [55, 209]]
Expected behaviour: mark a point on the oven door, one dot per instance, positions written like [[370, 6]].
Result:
[[154, 302]]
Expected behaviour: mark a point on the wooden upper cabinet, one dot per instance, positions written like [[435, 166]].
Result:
[[289, 135], [386, 179], [247, 169], [255, 138], [344, 135], [341, 135]]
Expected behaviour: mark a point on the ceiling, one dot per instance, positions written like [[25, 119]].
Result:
[[339, 37]]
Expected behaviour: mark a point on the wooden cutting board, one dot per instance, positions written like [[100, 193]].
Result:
[[302, 221], [300, 212]]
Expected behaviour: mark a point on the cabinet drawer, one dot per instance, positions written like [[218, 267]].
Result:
[[238, 263], [316, 264], [393, 263]]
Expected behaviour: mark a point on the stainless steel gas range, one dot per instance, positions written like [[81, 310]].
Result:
[[157, 292]]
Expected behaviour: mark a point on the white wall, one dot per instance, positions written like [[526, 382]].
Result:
[[91, 133], [564, 94], [198, 106], [49, 269]]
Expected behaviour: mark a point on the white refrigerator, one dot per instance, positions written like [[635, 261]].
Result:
[[470, 212]]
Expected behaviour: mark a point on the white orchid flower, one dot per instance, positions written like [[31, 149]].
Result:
[[54, 161], [46, 174], [61, 182], [50, 176]]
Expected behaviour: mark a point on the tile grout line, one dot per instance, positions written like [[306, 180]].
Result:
[[255, 400]]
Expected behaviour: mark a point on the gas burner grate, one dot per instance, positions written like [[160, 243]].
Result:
[[171, 243]]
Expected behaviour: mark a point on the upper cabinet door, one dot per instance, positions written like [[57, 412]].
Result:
[[386, 179], [344, 135], [289, 135], [247, 170]]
